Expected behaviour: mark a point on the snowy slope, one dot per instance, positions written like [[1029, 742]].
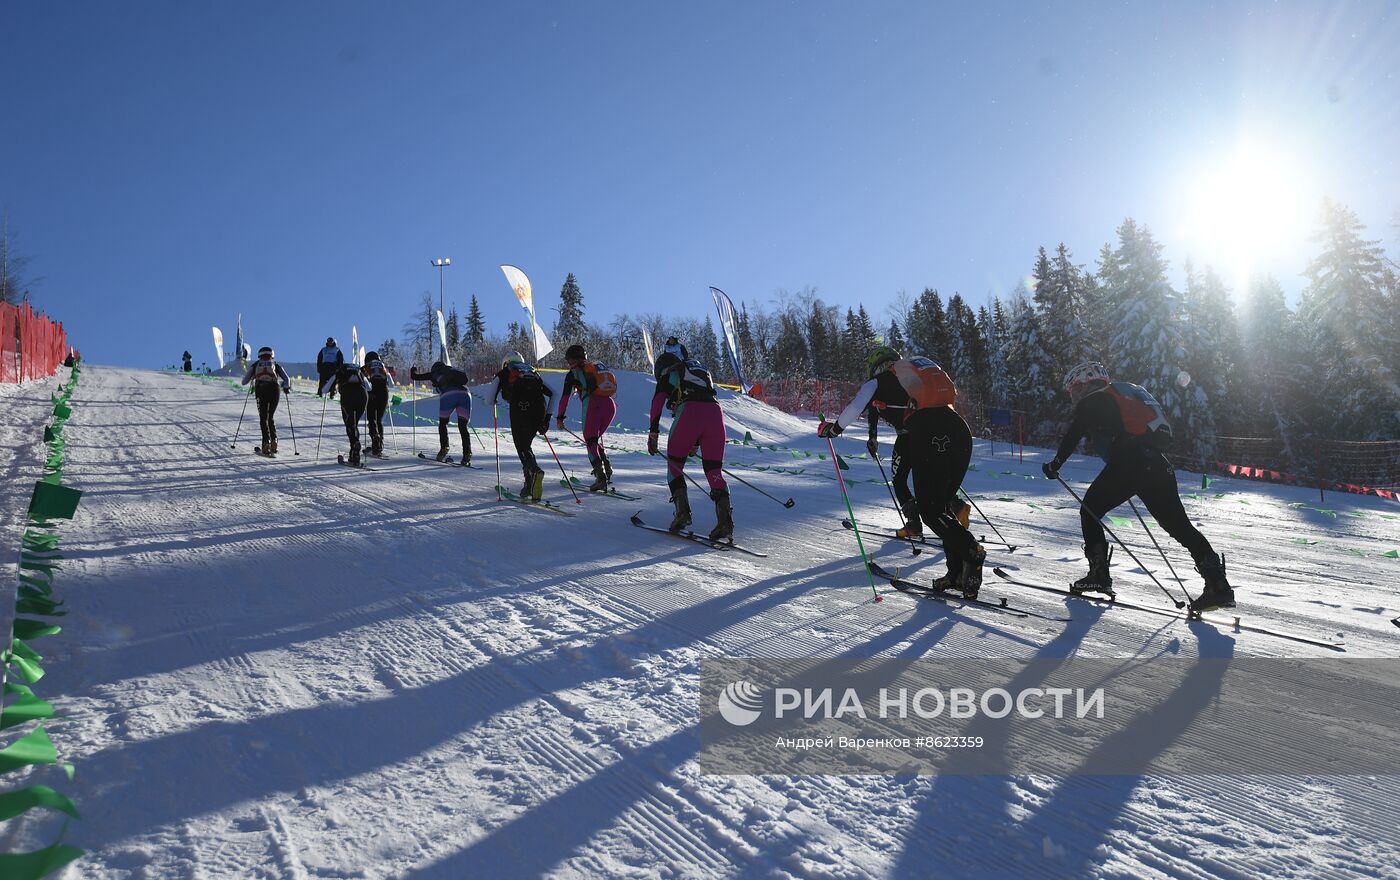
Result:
[[292, 669]]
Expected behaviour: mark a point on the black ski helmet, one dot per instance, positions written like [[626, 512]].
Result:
[[266, 350], [574, 352], [372, 356], [330, 340], [437, 367]]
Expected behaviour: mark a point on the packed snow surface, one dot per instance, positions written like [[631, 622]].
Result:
[[291, 668]]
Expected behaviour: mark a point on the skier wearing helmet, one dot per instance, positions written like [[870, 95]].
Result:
[[916, 396], [329, 360], [527, 394], [684, 384], [1130, 432], [267, 375], [380, 381], [596, 386], [454, 396]]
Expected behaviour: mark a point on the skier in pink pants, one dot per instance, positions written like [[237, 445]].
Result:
[[685, 385], [596, 386]]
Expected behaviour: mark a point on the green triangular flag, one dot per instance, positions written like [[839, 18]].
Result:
[[12, 803], [40, 863], [1391, 554], [841, 463], [50, 501], [35, 748], [1205, 482]]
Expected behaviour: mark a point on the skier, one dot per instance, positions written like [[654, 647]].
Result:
[[685, 385], [267, 375], [380, 381], [916, 396], [354, 396], [526, 393], [189, 362], [596, 386], [1130, 431], [329, 360], [454, 396]]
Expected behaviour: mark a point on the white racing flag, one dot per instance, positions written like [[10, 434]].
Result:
[[728, 324], [219, 346], [442, 337], [521, 285], [354, 345], [646, 340]]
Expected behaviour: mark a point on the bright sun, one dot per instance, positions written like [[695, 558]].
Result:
[[1247, 211]]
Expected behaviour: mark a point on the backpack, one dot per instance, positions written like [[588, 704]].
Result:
[[454, 378], [925, 383], [694, 380], [265, 371], [606, 382], [1142, 414]]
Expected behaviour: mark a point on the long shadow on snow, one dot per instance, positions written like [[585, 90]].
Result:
[[226, 762], [965, 819]]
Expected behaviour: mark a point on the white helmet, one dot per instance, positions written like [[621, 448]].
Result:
[[1089, 371]]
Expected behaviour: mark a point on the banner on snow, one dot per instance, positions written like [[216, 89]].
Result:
[[219, 345], [646, 340], [354, 345], [731, 334], [521, 285], [238, 340]]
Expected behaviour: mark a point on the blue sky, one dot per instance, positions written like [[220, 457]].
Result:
[[167, 165]]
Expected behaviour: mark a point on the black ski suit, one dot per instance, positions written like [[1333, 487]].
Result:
[[451, 385], [937, 450], [189, 363], [328, 361], [379, 382], [270, 382], [354, 397], [529, 398], [1134, 464]]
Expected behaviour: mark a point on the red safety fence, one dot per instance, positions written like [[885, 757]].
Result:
[[31, 346], [1357, 467]]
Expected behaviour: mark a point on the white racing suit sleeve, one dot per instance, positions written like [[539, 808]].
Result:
[[857, 405]]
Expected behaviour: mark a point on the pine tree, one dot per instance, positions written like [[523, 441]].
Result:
[[518, 340], [790, 357], [707, 351], [1348, 331], [1148, 347], [894, 338], [962, 329], [748, 347], [569, 328], [928, 327], [1030, 373], [476, 325], [454, 330], [1000, 389], [1213, 345], [1060, 295], [1270, 393]]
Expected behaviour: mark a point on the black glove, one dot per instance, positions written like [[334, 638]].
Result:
[[872, 446], [544, 428], [652, 443], [1051, 469]]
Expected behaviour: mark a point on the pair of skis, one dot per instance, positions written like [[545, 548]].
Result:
[[531, 502], [951, 598], [921, 541], [695, 538], [1237, 625], [447, 460]]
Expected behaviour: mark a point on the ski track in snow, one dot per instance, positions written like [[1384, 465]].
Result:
[[291, 669]]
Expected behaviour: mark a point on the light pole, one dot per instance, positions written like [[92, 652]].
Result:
[[441, 264]]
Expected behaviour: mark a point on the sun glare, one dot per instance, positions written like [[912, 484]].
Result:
[[1247, 211]]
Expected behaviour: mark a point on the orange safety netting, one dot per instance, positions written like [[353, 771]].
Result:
[[31, 346]]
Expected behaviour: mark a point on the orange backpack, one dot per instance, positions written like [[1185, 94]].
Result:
[[605, 383], [925, 383]]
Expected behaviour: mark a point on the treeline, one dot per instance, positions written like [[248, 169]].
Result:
[[1221, 363]]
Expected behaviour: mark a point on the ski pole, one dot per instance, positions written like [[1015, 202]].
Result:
[[855, 526], [1120, 542], [234, 444], [788, 503], [1010, 548], [393, 429], [1159, 548], [414, 385], [291, 425], [561, 468], [897, 509], [322, 429], [496, 431]]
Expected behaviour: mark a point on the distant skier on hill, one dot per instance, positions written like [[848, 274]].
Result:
[[380, 381], [354, 396], [683, 384], [528, 396], [596, 386], [189, 362], [454, 396], [328, 361], [915, 395], [1130, 432], [268, 379]]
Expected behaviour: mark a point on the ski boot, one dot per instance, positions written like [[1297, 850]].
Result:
[[537, 485], [913, 527], [960, 510], [970, 579], [607, 467], [441, 453], [948, 582], [354, 456], [1217, 593], [724, 513], [271, 447], [1097, 580], [528, 487], [600, 478], [678, 494]]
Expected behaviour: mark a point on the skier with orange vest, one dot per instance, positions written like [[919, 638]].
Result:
[[1130, 431], [267, 377], [916, 397], [596, 386]]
